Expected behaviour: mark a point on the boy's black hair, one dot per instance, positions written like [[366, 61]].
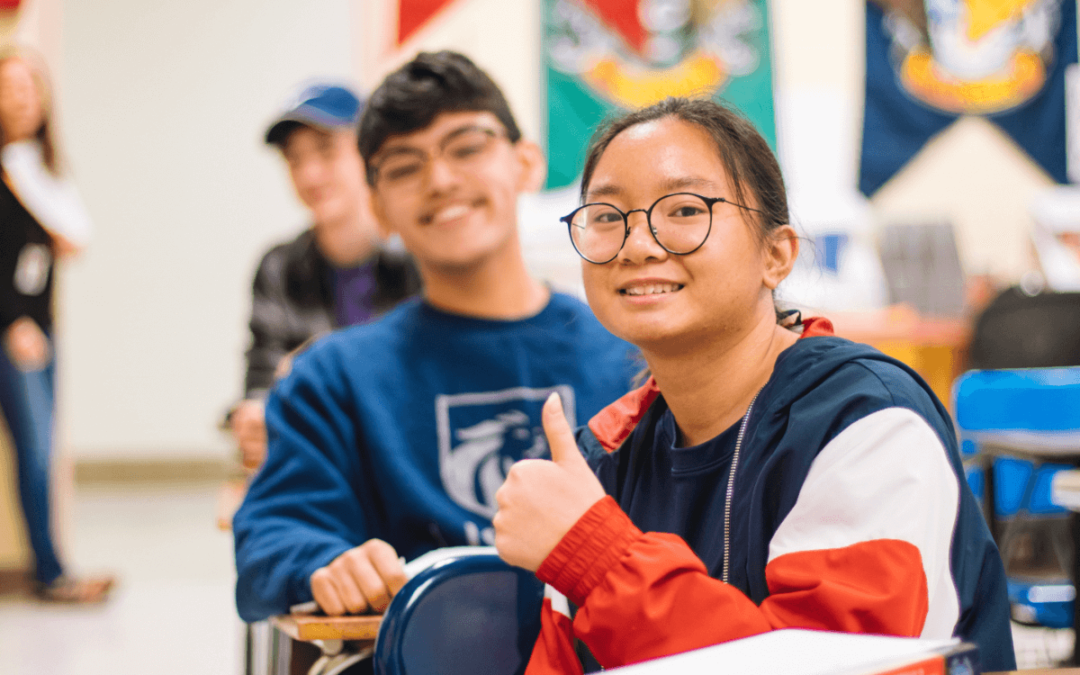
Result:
[[411, 97]]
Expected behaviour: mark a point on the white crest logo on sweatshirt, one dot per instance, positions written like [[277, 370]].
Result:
[[482, 434]]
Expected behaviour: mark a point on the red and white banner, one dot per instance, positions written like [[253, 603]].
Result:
[[414, 14]]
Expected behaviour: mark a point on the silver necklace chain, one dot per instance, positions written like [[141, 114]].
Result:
[[731, 489]]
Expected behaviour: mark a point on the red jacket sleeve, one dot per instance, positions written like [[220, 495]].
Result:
[[554, 651], [642, 596]]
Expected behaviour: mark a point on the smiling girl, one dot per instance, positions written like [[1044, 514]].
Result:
[[768, 475]]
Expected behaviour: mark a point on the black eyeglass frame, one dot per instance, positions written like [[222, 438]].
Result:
[[709, 203], [374, 170]]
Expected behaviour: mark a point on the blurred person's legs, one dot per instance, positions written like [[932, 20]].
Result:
[[27, 402]]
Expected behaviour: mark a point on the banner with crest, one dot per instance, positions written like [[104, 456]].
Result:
[[929, 62], [605, 56]]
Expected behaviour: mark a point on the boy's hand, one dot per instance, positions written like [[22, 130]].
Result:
[[362, 578], [248, 424], [541, 500]]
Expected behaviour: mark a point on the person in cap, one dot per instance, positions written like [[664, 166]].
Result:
[[389, 440], [334, 273]]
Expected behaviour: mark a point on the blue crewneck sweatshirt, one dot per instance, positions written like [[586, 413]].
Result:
[[403, 429]]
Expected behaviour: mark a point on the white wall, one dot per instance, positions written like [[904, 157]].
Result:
[[163, 106]]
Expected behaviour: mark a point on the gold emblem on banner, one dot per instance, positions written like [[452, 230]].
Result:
[[685, 48], [977, 56]]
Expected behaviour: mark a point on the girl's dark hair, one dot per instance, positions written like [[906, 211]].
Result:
[[750, 163], [49, 152], [411, 97]]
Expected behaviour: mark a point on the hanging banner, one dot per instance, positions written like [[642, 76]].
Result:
[[606, 56], [413, 14], [390, 32], [928, 63]]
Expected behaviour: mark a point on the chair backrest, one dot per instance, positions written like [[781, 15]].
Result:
[[1041, 404], [1018, 330], [1033, 414], [466, 614]]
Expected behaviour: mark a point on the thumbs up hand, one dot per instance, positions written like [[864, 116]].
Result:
[[541, 500]]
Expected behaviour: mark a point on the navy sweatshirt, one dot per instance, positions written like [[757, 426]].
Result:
[[403, 430]]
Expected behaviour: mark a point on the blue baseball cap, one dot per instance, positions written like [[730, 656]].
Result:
[[328, 107]]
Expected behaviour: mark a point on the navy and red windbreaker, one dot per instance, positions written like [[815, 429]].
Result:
[[849, 513]]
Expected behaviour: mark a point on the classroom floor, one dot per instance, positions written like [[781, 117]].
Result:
[[173, 610]]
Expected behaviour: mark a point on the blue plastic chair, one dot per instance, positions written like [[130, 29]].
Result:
[[1019, 428], [466, 614]]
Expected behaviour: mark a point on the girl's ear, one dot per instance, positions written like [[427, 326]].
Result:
[[781, 250], [533, 166]]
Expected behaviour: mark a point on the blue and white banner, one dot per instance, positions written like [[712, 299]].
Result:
[[929, 63]]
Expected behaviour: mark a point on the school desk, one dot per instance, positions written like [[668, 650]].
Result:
[[336, 639]]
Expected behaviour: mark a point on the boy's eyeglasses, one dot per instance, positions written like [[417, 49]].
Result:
[[680, 223], [406, 167]]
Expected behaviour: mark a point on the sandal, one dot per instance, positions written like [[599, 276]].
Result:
[[71, 590]]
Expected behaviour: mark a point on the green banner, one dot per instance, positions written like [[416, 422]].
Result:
[[602, 57]]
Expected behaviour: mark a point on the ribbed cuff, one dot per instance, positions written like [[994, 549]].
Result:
[[592, 547]]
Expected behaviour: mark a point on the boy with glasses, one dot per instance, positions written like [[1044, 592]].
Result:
[[390, 440]]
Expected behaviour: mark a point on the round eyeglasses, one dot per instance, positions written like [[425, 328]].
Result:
[[680, 223], [404, 167]]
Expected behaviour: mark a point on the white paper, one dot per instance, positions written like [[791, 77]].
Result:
[[791, 652]]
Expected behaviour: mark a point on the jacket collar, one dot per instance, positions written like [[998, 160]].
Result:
[[614, 424]]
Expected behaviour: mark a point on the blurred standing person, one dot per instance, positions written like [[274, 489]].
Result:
[[335, 273], [42, 219]]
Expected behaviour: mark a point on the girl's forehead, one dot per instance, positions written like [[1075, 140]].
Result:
[[668, 138], [659, 152], [645, 129]]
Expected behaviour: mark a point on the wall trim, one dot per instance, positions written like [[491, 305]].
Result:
[[155, 470]]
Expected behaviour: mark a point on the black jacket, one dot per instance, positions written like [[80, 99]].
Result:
[[293, 301]]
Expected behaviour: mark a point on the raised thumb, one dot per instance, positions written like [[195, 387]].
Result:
[[560, 436]]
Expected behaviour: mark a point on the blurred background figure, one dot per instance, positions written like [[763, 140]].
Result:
[[333, 274], [43, 220]]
